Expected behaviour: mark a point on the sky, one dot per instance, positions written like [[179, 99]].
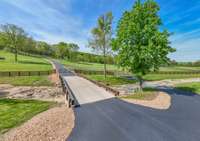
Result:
[[72, 20]]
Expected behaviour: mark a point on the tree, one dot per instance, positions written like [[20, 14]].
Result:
[[43, 48], [62, 50], [141, 45], [101, 36], [14, 37], [73, 48]]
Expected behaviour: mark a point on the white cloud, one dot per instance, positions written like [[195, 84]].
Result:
[[51, 21]]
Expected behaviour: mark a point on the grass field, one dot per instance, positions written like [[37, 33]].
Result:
[[111, 80], [179, 68], [191, 87], [155, 77], [147, 94], [25, 63], [26, 81], [88, 66], [14, 112]]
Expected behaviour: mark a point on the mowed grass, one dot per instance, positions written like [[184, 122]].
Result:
[[88, 66], [146, 94], [110, 79], [14, 112], [191, 87], [26, 81], [179, 68], [155, 77], [25, 63]]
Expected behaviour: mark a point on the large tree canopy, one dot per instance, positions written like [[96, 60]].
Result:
[[141, 44], [14, 37]]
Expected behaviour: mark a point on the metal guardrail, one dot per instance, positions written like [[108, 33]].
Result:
[[71, 99]]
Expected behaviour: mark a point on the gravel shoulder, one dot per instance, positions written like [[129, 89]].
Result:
[[54, 124], [162, 101]]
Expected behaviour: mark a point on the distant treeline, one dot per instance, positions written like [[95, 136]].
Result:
[[185, 64], [62, 50]]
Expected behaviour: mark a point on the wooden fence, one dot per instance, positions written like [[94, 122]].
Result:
[[25, 73]]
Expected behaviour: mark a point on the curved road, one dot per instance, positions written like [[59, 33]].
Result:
[[116, 120]]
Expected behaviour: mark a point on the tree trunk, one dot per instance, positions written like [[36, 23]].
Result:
[[140, 83], [104, 62], [16, 54]]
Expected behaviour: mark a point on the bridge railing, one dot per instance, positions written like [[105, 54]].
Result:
[[70, 98]]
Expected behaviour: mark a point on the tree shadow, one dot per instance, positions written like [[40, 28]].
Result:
[[32, 62], [3, 94]]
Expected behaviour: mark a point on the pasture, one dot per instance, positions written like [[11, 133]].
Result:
[[25, 63]]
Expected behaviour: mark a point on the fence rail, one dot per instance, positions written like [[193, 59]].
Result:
[[25, 73]]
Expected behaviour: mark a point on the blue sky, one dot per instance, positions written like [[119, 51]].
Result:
[[72, 20]]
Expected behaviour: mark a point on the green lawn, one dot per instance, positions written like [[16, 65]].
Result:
[[25, 63], [88, 66], [192, 87], [179, 68], [26, 81], [111, 80], [147, 94], [15, 112], [155, 77]]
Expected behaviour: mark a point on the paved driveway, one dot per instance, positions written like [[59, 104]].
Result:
[[116, 120]]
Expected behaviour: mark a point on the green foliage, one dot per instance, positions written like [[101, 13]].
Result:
[[62, 50], [14, 112], [14, 37], [141, 45]]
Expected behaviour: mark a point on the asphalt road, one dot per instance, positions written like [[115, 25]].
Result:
[[116, 120]]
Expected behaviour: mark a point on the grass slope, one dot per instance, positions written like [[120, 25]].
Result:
[[191, 87], [26, 81], [155, 77], [14, 112], [147, 94], [88, 66], [111, 80], [25, 63]]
